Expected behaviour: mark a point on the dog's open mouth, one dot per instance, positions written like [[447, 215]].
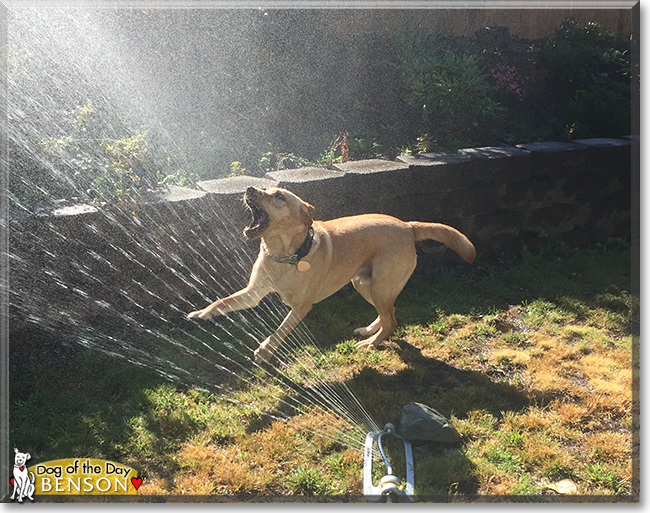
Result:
[[259, 222]]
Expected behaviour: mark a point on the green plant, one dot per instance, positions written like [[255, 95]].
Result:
[[451, 94], [576, 55], [514, 338], [180, 178], [425, 143], [120, 180], [601, 110], [274, 161], [308, 481], [82, 114], [236, 169], [604, 476], [338, 151], [87, 162], [588, 78], [504, 459]]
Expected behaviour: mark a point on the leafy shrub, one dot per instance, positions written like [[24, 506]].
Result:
[[451, 94], [121, 179], [180, 178], [599, 112], [575, 55], [274, 161], [588, 80], [89, 164]]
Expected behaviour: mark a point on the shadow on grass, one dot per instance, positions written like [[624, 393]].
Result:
[[68, 401]]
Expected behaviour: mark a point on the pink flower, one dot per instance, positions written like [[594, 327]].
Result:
[[506, 78]]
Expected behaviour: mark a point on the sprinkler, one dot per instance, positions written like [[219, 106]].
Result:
[[390, 487]]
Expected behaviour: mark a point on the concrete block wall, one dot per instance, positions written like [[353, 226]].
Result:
[[85, 265]]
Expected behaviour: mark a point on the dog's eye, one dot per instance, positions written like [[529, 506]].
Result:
[[279, 196]]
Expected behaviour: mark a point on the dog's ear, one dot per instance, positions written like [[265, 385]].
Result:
[[28, 456], [308, 211], [16, 450]]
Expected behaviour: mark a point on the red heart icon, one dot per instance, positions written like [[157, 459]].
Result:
[[11, 481], [136, 481], [22, 468]]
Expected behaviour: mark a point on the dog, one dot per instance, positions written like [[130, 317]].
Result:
[[306, 261], [23, 485]]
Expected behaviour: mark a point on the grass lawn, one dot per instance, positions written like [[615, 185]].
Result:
[[530, 358]]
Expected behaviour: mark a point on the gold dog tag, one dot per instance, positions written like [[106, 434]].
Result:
[[303, 266]]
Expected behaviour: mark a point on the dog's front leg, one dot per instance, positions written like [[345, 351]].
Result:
[[249, 297], [21, 489], [268, 347]]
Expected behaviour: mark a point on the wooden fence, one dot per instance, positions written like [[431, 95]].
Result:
[[523, 23]]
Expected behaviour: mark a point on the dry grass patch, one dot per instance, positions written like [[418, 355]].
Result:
[[285, 458], [609, 447], [511, 357]]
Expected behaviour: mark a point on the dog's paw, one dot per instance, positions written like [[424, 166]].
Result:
[[264, 353], [368, 343], [361, 332], [364, 344], [199, 314]]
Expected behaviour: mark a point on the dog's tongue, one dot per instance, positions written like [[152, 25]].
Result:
[[259, 219]]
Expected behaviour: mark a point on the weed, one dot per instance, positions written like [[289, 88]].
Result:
[[602, 475], [275, 160], [514, 338], [525, 487], [542, 312], [346, 347], [483, 331], [237, 169], [556, 471], [448, 473], [308, 481], [503, 459], [180, 178], [340, 146], [514, 438], [446, 323]]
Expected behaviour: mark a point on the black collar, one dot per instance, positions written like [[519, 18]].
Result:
[[300, 253]]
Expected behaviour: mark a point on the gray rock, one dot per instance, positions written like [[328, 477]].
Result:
[[420, 424]]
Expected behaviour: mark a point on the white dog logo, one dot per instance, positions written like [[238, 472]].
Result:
[[23, 485]]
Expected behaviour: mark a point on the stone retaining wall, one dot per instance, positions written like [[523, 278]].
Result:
[[83, 265]]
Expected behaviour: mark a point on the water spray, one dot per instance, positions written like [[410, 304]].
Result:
[[390, 488]]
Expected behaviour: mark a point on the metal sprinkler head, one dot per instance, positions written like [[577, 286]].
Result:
[[390, 487]]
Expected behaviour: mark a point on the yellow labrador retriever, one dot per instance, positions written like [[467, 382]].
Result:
[[306, 261]]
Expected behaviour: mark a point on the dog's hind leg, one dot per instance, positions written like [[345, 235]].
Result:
[[362, 282], [369, 330], [387, 324], [388, 280]]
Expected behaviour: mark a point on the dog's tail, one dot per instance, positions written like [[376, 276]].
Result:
[[449, 236]]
